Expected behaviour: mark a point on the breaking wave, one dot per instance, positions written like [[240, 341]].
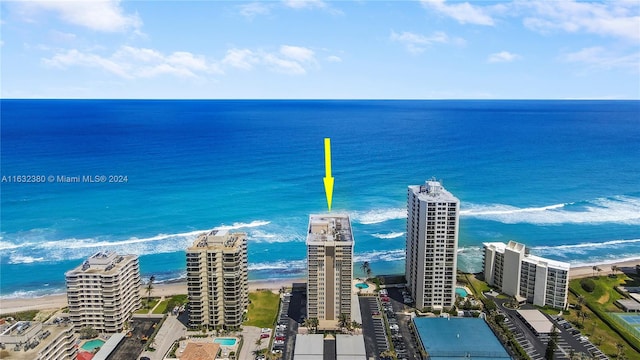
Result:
[[392, 235], [617, 209]]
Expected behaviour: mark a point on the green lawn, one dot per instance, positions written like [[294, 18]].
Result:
[[477, 286], [263, 309], [602, 299], [145, 309]]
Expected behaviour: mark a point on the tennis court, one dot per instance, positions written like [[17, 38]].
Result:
[[631, 322]]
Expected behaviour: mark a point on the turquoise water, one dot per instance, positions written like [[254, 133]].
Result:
[[462, 292], [560, 176], [225, 341], [362, 285], [92, 345]]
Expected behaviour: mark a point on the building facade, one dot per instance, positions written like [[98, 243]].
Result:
[[432, 245], [217, 281], [104, 291], [515, 272], [329, 268]]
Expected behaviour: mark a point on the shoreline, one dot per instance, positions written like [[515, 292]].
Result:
[[177, 287], [174, 287]]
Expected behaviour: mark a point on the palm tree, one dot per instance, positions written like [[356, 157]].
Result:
[[343, 320], [149, 288], [552, 345], [313, 323], [614, 269], [594, 268], [365, 268]]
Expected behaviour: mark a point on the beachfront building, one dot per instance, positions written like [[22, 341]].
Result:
[[104, 291], [530, 278], [32, 340], [432, 245], [329, 268], [217, 282]]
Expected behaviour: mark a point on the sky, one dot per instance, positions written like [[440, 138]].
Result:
[[294, 49]]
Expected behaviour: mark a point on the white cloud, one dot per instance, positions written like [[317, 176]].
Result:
[[255, 8], [502, 56], [601, 58], [417, 43], [285, 66], [462, 12], [334, 59], [243, 59], [130, 63], [297, 53], [305, 4], [619, 19], [294, 60], [98, 15]]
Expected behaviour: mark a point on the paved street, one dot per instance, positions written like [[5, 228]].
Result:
[[171, 330]]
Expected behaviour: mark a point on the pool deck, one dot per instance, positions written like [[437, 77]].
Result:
[[367, 291]]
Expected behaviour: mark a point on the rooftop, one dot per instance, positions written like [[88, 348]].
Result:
[[309, 346], [433, 190], [450, 338], [537, 321], [327, 228], [533, 259], [105, 262], [350, 347], [218, 238], [37, 340], [200, 351]]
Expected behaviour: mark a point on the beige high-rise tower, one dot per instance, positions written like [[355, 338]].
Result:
[[329, 268], [104, 291], [217, 281], [432, 245]]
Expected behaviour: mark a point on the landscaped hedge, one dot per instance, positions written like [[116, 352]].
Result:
[[588, 285], [622, 332]]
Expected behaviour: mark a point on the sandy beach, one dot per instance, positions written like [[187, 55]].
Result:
[[8, 306], [605, 268], [59, 301]]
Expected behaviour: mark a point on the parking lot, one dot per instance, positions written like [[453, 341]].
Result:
[[131, 346], [292, 312], [405, 342], [569, 338], [373, 327]]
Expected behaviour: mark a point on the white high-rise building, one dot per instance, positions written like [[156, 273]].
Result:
[[104, 291], [329, 268], [432, 245], [217, 281], [515, 272]]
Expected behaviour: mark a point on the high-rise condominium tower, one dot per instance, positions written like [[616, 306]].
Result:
[[104, 291], [330, 268], [217, 281], [432, 245]]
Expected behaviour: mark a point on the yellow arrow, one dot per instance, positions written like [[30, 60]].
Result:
[[328, 179]]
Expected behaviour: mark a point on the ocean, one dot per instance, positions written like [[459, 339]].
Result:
[[563, 177]]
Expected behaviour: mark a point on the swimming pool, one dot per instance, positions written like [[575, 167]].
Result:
[[462, 292], [92, 345], [362, 285], [225, 341]]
